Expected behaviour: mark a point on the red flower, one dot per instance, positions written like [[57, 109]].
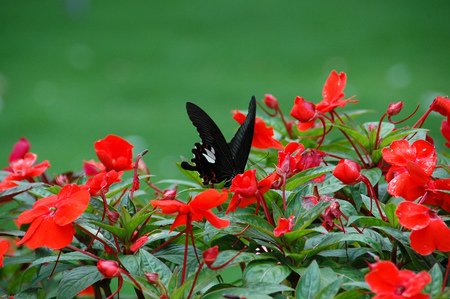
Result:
[[429, 231], [390, 283], [311, 158], [4, 245], [115, 153], [445, 130], [304, 111], [331, 213], [441, 105], [102, 181], [411, 167], [23, 168], [333, 92], [198, 208], [284, 226], [287, 164], [18, 152], [51, 218], [262, 136], [436, 197], [92, 168], [348, 172], [247, 189]]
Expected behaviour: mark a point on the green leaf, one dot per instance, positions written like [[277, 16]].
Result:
[[353, 294], [71, 256], [40, 192], [29, 293], [266, 271], [145, 262], [330, 290], [371, 205], [366, 220], [11, 192], [239, 292], [360, 138], [390, 209], [121, 233], [373, 174], [333, 238], [434, 287], [77, 280], [309, 283], [307, 175], [267, 287]]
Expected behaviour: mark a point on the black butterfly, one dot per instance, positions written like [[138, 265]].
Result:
[[214, 159]]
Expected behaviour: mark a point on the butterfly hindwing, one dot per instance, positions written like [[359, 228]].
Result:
[[212, 158]]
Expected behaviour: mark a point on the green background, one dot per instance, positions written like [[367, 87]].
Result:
[[72, 72]]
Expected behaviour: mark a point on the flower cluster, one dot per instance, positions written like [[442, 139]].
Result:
[[304, 219]]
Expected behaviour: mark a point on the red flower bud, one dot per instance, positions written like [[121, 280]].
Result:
[[153, 278], [303, 111], [395, 108], [109, 269], [270, 101], [169, 194], [348, 172], [113, 216], [210, 255]]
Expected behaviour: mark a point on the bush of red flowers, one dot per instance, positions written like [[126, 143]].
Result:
[[327, 208]]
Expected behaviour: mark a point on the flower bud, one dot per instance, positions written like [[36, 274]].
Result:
[[113, 216], [109, 269], [348, 172], [303, 111], [169, 194], [153, 278], [210, 255], [395, 108], [270, 101]]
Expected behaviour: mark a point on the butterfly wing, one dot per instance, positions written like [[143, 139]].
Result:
[[241, 143], [212, 158]]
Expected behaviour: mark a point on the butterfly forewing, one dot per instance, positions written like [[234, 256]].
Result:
[[241, 143]]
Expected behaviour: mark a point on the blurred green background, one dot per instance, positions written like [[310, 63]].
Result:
[[73, 71]]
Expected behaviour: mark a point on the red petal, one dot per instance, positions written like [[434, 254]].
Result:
[[44, 232], [214, 220], [72, 208], [30, 215], [412, 215], [208, 199], [435, 236], [384, 278]]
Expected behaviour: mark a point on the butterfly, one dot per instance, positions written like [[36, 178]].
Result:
[[214, 159]]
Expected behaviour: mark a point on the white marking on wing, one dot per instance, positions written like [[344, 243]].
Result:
[[210, 157]]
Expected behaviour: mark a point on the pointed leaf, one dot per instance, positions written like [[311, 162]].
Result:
[[77, 280], [309, 283]]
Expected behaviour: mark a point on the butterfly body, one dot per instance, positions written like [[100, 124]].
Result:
[[214, 159]]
